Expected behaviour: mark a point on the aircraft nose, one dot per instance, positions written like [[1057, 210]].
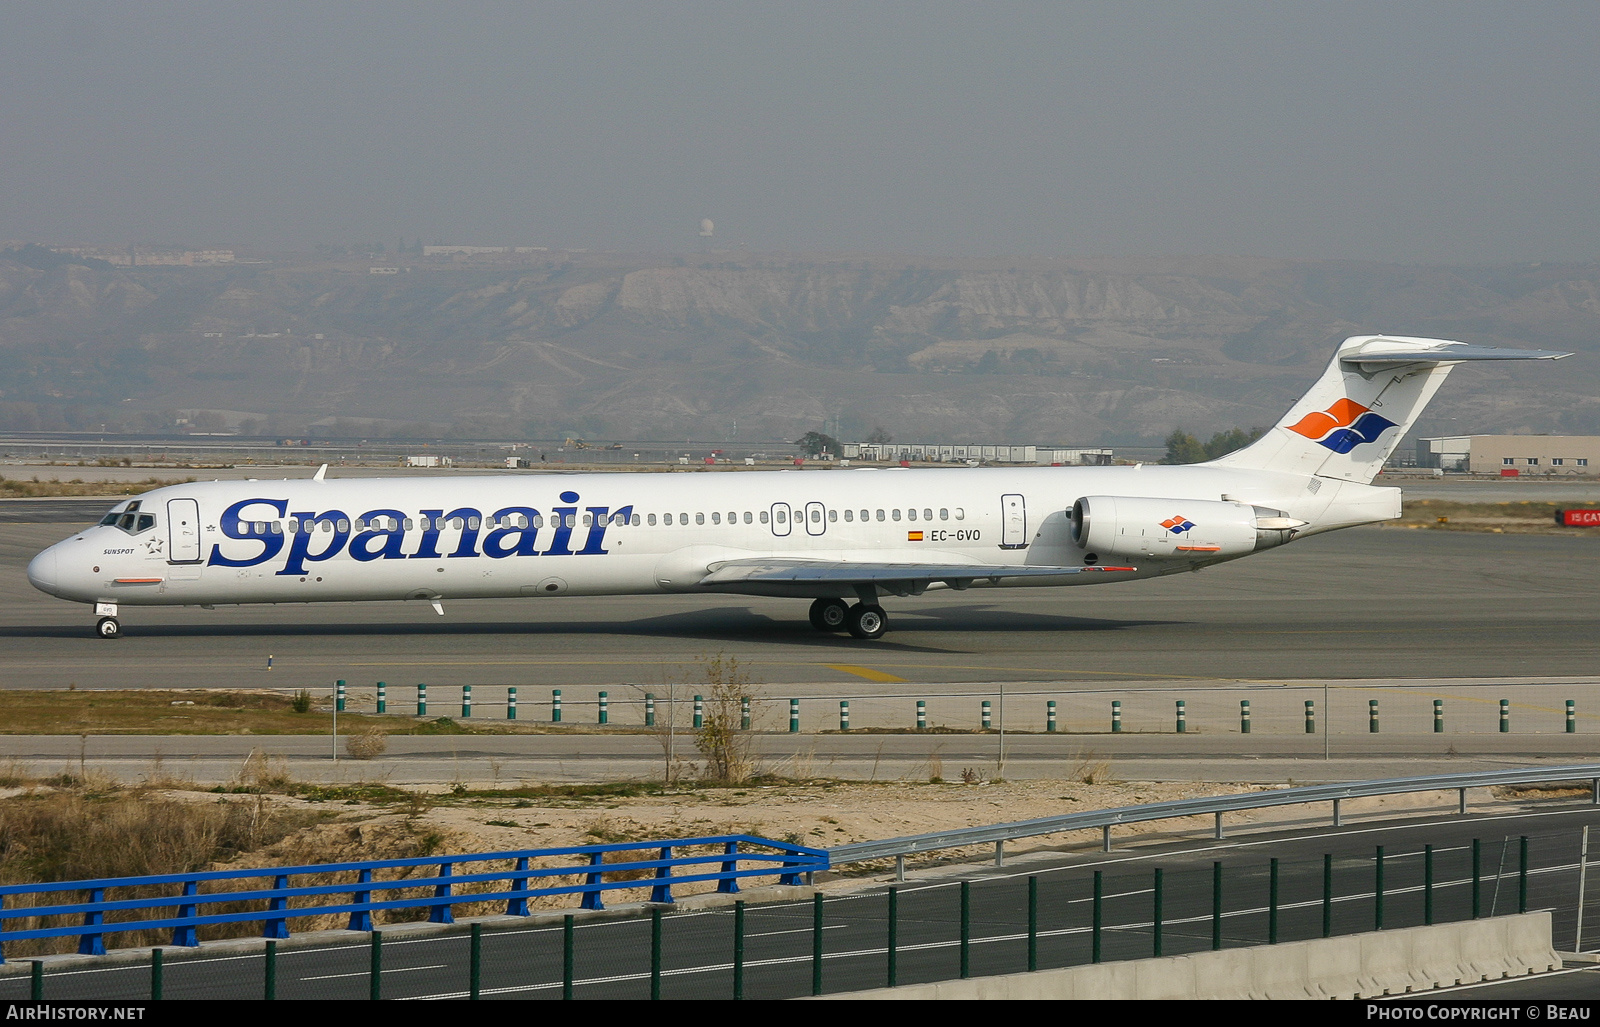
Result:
[[42, 572]]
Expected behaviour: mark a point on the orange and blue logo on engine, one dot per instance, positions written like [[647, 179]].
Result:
[[1343, 426], [1178, 525]]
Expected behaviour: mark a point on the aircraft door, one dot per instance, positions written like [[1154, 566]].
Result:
[[780, 519], [1014, 525], [816, 519], [183, 531]]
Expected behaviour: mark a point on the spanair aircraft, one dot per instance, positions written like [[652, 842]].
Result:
[[855, 534]]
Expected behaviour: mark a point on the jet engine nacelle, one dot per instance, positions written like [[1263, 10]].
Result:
[[1124, 528]]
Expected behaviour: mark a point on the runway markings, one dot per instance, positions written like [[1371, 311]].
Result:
[[865, 672]]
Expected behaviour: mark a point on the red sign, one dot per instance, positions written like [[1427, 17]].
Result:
[[1509, 472], [1578, 518]]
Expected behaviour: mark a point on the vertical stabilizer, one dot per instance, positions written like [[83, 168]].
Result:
[[1374, 389]]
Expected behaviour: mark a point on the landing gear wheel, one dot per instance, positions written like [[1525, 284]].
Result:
[[108, 628], [868, 621], [829, 614]]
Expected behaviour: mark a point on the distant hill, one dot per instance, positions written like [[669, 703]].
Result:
[[613, 346]]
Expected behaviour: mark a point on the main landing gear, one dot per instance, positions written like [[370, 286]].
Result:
[[863, 620]]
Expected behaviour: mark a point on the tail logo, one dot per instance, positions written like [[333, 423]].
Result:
[[1178, 524], [1343, 426]]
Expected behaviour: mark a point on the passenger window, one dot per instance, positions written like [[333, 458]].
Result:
[[409, 525], [716, 518], [277, 527], [683, 518], [588, 520], [651, 520], [635, 520], [927, 515], [833, 516], [783, 516], [895, 513], [344, 525], [880, 514], [733, 517], [763, 517], [944, 513], [747, 516], [961, 514], [850, 515], [911, 514]]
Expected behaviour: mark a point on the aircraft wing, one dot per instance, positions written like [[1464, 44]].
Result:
[[896, 577]]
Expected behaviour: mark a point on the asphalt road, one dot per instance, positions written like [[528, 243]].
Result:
[[612, 955]]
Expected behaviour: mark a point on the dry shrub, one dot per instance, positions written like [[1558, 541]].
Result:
[[1091, 769], [728, 749], [262, 773], [368, 743]]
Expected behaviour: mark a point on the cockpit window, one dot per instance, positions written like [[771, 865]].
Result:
[[131, 521]]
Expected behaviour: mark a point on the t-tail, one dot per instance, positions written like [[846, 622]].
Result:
[[1372, 392]]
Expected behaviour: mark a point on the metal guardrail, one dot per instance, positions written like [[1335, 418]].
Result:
[[1105, 820], [273, 906]]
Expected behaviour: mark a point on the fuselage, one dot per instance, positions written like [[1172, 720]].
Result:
[[496, 536]]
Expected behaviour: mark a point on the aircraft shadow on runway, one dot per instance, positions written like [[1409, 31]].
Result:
[[722, 624]]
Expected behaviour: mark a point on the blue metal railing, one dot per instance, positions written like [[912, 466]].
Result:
[[741, 857]]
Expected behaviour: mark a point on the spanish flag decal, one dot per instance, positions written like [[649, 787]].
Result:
[[913, 536]]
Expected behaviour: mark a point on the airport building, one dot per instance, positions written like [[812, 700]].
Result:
[[1512, 455]]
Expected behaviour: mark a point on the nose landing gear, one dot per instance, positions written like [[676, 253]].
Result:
[[108, 628]]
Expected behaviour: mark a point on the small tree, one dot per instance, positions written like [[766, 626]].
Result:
[[1183, 448], [727, 748], [880, 436], [816, 444]]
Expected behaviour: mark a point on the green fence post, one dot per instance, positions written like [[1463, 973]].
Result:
[[1372, 716], [605, 708], [555, 706], [1033, 923], [1155, 916], [1116, 716], [1377, 891], [36, 981], [466, 701], [1327, 895], [1522, 877], [922, 714], [894, 936], [1050, 715], [844, 714], [155, 975], [985, 715], [1505, 715], [816, 944], [269, 986], [475, 964], [1272, 904], [1183, 717], [1098, 923], [1477, 879], [966, 929], [794, 716], [383, 697], [422, 700], [655, 954], [1572, 717], [568, 943], [649, 710], [1311, 716], [1244, 716], [1427, 885], [511, 702], [1438, 716], [738, 949], [338, 702], [375, 968], [1216, 906], [699, 712]]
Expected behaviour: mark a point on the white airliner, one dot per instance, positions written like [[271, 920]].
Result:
[[857, 534]]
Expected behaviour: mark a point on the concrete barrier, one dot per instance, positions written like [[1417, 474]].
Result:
[[1354, 966]]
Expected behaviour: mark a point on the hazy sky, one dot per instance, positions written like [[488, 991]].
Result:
[[1454, 132]]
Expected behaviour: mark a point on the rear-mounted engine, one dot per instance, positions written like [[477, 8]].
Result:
[[1179, 529]]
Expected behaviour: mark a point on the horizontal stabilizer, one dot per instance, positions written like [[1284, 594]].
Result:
[[1438, 352], [831, 572]]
